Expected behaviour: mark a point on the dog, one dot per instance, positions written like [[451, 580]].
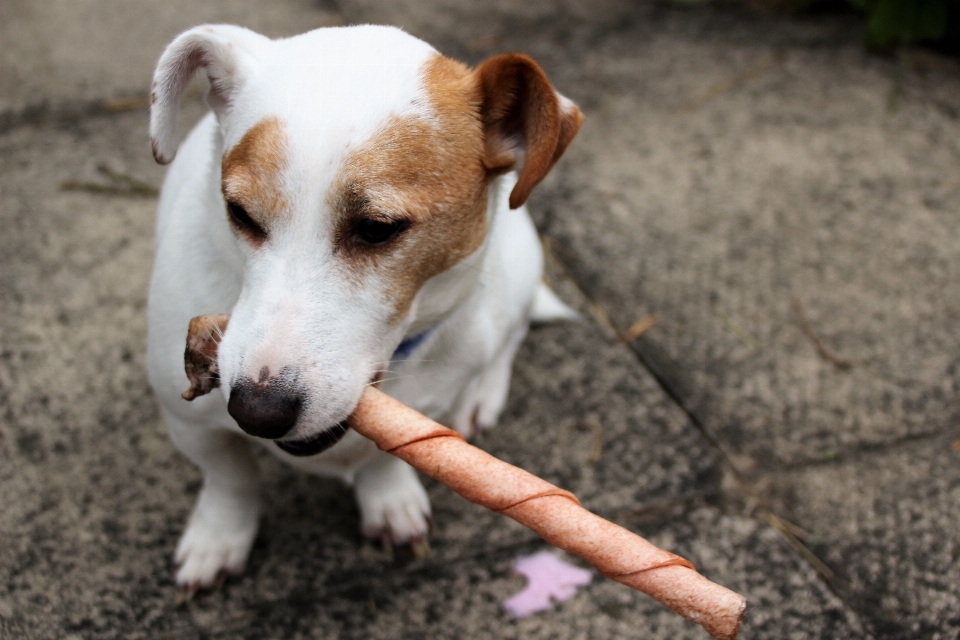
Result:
[[355, 200]]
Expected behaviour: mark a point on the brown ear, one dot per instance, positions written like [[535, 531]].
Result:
[[524, 120]]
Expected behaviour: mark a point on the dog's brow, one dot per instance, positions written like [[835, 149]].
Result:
[[353, 201], [251, 170]]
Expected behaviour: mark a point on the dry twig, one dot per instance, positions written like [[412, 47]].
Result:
[[734, 81], [121, 185], [638, 328], [825, 352]]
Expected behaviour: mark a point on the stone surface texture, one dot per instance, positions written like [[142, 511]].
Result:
[[783, 202]]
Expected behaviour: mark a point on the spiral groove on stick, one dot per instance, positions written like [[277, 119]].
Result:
[[551, 512]]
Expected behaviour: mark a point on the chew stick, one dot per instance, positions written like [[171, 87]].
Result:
[[554, 514]]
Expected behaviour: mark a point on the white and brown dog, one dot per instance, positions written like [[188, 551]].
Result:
[[355, 201]]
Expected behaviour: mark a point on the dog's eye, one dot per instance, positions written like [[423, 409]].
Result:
[[239, 215], [377, 232], [242, 219]]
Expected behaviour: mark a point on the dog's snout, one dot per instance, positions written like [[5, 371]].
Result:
[[265, 410]]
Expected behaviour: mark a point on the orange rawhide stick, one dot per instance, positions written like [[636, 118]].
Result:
[[554, 514]]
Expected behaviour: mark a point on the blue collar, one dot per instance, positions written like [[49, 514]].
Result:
[[407, 347]]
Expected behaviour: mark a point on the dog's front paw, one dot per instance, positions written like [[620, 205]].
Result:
[[210, 550], [394, 507]]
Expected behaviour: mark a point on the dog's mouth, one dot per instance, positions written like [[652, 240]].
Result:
[[318, 443]]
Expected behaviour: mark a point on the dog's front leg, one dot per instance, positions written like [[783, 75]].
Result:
[[393, 505], [225, 519]]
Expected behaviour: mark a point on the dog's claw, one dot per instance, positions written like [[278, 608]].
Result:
[[394, 508], [420, 547], [206, 558], [185, 594], [220, 580], [386, 541]]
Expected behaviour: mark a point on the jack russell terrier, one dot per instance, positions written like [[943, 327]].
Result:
[[355, 201]]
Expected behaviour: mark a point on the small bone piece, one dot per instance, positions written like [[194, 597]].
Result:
[[554, 514], [200, 356]]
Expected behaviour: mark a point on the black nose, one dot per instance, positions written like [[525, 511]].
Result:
[[265, 410]]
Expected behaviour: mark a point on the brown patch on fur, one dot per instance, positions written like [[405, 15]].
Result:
[[425, 172], [431, 172], [252, 172], [200, 356], [520, 109]]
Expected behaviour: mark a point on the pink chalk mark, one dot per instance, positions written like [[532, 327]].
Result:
[[548, 577]]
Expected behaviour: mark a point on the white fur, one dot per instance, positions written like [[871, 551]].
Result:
[[292, 305]]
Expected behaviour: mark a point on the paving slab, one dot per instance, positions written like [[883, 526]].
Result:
[[760, 196], [68, 53], [885, 523]]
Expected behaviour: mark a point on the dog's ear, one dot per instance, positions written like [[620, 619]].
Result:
[[225, 52], [525, 121]]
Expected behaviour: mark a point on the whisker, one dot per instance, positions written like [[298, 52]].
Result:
[[401, 360], [385, 380]]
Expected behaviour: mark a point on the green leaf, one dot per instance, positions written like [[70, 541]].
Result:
[[898, 22]]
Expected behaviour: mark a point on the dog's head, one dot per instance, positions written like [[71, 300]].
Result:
[[355, 170]]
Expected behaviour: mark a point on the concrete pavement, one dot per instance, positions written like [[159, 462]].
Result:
[[783, 203]]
